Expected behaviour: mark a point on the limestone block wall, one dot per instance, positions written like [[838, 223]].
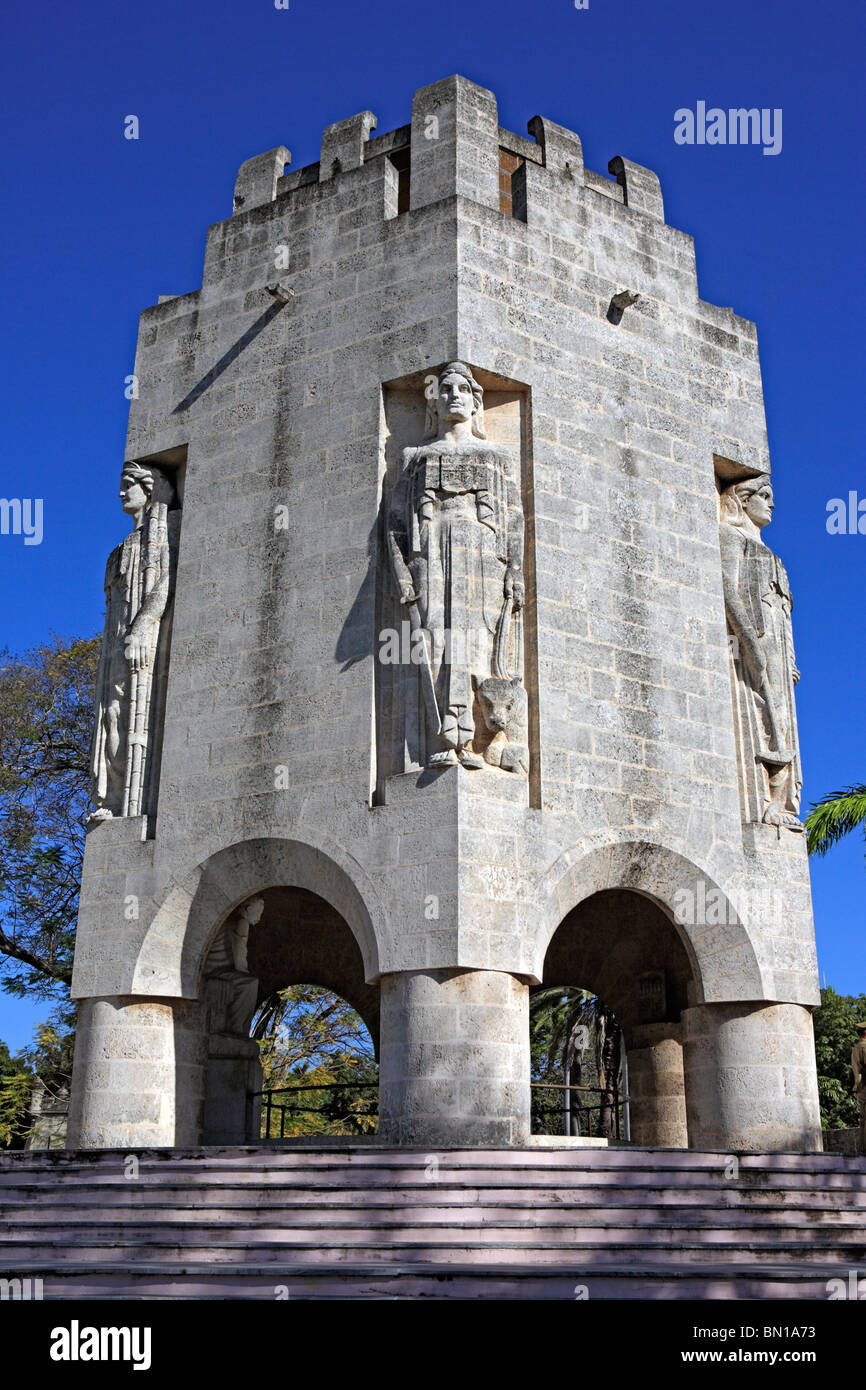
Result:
[[320, 293]]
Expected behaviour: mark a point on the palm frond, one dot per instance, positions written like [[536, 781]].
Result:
[[832, 818]]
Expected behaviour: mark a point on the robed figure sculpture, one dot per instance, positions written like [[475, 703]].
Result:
[[130, 683], [758, 604], [455, 548]]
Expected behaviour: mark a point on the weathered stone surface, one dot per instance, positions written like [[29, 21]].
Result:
[[764, 671], [133, 667], [282, 423]]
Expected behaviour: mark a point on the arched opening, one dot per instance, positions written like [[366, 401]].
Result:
[[620, 947], [285, 971]]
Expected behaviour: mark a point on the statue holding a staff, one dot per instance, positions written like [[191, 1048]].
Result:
[[455, 548], [758, 604], [130, 683]]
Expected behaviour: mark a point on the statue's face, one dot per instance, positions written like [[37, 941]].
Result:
[[758, 505], [253, 911], [456, 401], [133, 497]]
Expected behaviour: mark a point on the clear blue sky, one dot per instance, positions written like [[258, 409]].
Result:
[[96, 227]]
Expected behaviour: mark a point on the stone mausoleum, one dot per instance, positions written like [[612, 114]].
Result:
[[446, 657]]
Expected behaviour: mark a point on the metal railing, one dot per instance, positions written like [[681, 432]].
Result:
[[570, 1117], [333, 1115]]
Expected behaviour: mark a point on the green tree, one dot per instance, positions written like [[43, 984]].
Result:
[[834, 817], [572, 1032], [48, 1058], [46, 721], [835, 1036], [15, 1083], [309, 1036]]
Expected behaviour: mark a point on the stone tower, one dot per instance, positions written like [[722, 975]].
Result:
[[445, 657]]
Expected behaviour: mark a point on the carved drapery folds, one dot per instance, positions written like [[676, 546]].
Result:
[[234, 1073], [133, 664], [455, 549], [758, 604], [231, 992]]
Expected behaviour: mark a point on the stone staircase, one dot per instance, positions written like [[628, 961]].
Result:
[[368, 1222]]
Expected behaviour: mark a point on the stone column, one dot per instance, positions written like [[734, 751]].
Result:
[[138, 1074], [657, 1086], [750, 1077], [454, 1058]]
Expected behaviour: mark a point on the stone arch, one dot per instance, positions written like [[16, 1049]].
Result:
[[196, 904], [302, 939], [723, 958]]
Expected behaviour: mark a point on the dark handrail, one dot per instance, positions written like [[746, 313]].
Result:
[[615, 1102], [269, 1106]]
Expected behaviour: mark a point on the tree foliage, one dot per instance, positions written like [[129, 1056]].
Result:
[[834, 817], [309, 1036], [835, 1036], [574, 1033], [48, 1059], [46, 721]]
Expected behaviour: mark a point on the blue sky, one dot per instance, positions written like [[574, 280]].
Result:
[[97, 227]]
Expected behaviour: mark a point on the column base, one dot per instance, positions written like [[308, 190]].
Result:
[[138, 1074], [751, 1080], [454, 1059], [657, 1106]]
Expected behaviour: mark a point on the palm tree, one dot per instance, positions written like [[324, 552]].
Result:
[[576, 1040], [830, 819]]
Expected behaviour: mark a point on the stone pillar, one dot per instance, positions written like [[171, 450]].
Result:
[[454, 1066], [455, 144], [138, 1075], [657, 1086], [233, 1102], [750, 1077]]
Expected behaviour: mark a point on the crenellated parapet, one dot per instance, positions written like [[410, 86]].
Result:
[[454, 147]]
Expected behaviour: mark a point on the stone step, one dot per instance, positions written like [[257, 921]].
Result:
[[526, 1228], [575, 1159], [250, 1194], [724, 1207], [523, 1209], [333, 1222], [631, 1279], [474, 1176], [507, 1246]]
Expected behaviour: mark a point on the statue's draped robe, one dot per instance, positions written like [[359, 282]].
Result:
[[231, 991], [456, 518], [124, 580], [764, 591], [139, 571]]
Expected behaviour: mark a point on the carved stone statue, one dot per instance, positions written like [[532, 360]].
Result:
[[455, 544], [758, 604], [231, 991], [130, 683]]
